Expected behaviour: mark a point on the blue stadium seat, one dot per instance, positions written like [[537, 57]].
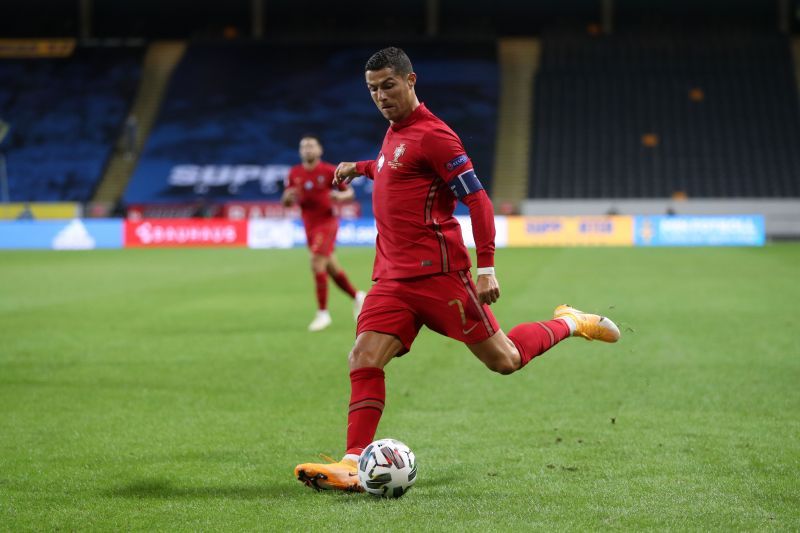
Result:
[[65, 115]]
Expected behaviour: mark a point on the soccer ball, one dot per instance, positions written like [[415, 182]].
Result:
[[387, 468]]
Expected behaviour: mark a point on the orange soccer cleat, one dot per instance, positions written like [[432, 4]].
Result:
[[336, 475], [589, 326]]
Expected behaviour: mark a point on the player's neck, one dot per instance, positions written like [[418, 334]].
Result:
[[311, 165], [414, 106]]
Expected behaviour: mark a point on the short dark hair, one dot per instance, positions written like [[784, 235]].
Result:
[[393, 58], [312, 136]]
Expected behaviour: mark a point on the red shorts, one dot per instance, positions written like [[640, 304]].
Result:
[[447, 303], [321, 236]]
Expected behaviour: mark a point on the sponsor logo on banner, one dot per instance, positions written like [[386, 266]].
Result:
[[273, 233], [710, 230], [202, 178], [284, 233], [173, 210], [74, 236], [359, 232], [250, 210], [185, 232], [570, 231]]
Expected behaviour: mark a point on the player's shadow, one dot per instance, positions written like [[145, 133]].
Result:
[[159, 489], [164, 489]]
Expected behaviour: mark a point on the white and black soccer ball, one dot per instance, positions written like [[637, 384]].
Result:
[[387, 468]]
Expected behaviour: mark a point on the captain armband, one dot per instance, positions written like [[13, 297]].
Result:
[[465, 183]]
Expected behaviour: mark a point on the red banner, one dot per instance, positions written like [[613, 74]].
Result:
[[177, 210], [185, 232], [247, 210]]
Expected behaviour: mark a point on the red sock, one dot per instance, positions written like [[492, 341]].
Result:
[[321, 281], [534, 338], [340, 278], [367, 396]]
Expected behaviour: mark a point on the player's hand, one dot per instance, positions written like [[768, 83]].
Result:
[[345, 172], [289, 197], [488, 289]]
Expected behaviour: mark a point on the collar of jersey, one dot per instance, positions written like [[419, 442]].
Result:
[[411, 118]]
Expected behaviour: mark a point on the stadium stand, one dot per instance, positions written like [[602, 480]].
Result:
[[65, 115], [712, 115], [248, 104]]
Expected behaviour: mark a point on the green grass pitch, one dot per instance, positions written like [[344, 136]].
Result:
[[177, 389]]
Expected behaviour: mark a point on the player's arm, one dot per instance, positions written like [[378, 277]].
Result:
[[481, 213], [290, 194], [447, 156], [347, 171], [343, 193]]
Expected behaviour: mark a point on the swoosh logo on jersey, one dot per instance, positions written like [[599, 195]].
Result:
[[468, 331]]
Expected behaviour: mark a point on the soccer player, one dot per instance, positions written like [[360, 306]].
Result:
[[311, 184], [422, 268]]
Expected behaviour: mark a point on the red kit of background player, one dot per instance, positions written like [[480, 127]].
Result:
[[310, 184]]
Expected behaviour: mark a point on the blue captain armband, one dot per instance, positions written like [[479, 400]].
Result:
[[465, 183]]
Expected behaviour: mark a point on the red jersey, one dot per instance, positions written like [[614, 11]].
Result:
[[420, 172], [314, 191]]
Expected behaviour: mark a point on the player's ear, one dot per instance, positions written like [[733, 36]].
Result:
[[412, 79]]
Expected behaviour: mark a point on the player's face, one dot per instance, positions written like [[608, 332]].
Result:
[[393, 93], [310, 150]]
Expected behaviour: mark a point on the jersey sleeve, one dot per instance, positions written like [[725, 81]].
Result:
[[366, 168], [331, 172], [449, 160]]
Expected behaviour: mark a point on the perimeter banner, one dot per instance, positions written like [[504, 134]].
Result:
[[185, 232], [706, 230], [570, 231], [40, 211], [74, 234]]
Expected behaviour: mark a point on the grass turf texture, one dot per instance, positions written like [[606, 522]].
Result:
[[177, 389]]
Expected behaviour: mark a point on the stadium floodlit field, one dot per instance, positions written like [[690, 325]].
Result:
[[177, 389]]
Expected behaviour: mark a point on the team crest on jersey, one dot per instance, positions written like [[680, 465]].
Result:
[[381, 161], [398, 153]]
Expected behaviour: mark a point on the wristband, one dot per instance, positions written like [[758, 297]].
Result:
[[486, 271]]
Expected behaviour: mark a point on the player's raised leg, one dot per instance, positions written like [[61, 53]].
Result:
[[371, 353], [339, 277], [508, 353]]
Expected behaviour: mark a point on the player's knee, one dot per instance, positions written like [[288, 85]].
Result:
[[503, 366], [319, 264], [505, 363], [360, 358]]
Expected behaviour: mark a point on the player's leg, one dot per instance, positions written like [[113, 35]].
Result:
[[386, 329], [508, 353], [370, 354], [454, 310], [339, 277], [319, 268]]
